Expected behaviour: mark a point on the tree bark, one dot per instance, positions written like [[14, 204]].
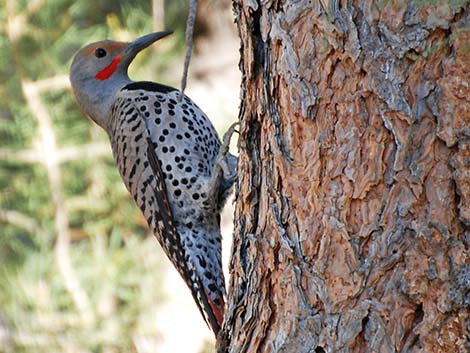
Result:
[[352, 228]]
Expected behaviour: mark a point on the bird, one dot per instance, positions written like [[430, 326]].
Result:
[[170, 158]]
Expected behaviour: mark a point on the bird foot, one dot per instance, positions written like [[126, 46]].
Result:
[[227, 162], [227, 137], [225, 167]]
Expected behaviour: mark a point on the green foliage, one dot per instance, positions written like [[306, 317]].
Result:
[[123, 286], [114, 263]]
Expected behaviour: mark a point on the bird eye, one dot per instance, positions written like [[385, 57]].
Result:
[[100, 52]]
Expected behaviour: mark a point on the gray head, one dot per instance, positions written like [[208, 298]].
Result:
[[99, 71]]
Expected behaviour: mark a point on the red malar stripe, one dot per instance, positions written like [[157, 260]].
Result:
[[108, 70]]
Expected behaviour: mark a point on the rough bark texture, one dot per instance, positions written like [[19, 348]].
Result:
[[353, 207]]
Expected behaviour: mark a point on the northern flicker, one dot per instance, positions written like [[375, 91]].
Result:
[[170, 159]]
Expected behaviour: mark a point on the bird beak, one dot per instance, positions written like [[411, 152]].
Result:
[[133, 48]]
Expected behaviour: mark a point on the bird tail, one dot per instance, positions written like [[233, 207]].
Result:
[[212, 310]]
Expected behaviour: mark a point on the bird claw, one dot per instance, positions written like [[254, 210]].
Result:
[[225, 167], [226, 139], [223, 151]]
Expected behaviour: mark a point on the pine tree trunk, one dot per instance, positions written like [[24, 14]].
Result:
[[353, 207]]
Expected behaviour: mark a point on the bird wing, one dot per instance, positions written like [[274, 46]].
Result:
[[141, 171], [196, 287]]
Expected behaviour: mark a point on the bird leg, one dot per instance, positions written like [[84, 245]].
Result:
[[227, 169], [225, 164]]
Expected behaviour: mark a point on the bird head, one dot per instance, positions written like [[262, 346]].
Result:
[[99, 71]]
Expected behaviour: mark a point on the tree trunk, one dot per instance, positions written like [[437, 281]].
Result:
[[353, 204]]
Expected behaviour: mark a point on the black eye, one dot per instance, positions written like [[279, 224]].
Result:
[[100, 52]]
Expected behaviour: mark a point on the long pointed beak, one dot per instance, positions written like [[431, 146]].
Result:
[[143, 42]]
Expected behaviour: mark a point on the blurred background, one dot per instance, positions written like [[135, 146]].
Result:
[[79, 271]]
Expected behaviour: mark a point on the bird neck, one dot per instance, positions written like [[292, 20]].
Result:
[[96, 98]]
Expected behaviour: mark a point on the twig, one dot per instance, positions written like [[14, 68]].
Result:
[[20, 220], [189, 43], [51, 161], [54, 83], [15, 29], [158, 15], [17, 21], [66, 154]]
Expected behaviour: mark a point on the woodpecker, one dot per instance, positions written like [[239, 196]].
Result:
[[170, 159]]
